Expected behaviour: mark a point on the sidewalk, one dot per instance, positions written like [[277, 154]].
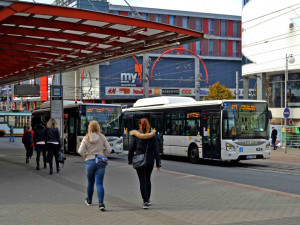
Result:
[[28, 196], [291, 155]]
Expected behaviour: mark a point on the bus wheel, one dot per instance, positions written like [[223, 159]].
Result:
[[194, 155], [1, 134]]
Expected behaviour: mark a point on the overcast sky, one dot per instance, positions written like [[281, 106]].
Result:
[[230, 7]]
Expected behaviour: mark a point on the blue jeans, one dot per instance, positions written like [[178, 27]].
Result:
[[274, 143], [93, 173], [11, 138]]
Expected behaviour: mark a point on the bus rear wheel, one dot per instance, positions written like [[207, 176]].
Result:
[[194, 155]]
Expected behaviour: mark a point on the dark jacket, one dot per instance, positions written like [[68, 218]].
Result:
[[52, 135], [139, 144], [32, 134], [39, 133], [274, 134]]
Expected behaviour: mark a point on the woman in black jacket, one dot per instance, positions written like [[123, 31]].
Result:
[[143, 140], [40, 144], [53, 144]]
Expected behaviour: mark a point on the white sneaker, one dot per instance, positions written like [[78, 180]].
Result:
[[145, 205]]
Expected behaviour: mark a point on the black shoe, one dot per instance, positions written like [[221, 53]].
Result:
[[102, 207], [51, 172], [145, 205], [37, 168], [57, 170], [87, 202], [27, 160]]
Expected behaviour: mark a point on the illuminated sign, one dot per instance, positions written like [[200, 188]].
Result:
[[99, 110], [193, 115], [244, 107]]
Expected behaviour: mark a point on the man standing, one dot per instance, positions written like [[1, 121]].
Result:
[[274, 137], [11, 134]]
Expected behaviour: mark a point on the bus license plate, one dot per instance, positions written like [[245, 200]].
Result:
[[251, 157]]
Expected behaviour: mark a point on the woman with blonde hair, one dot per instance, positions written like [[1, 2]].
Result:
[[53, 144], [94, 146]]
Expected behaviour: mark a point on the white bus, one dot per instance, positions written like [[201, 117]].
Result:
[[230, 130], [16, 119], [77, 116]]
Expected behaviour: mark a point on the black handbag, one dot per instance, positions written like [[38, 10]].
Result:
[[101, 161], [140, 160], [61, 157]]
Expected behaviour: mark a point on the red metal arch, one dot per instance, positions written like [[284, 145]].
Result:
[[170, 50]]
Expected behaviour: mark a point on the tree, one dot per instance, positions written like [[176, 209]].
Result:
[[219, 92]]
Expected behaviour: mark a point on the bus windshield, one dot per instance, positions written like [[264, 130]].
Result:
[[107, 116], [245, 120]]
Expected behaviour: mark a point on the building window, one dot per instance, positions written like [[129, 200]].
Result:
[[185, 22], [158, 18], [116, 12], [223, 28], [235, 29], [186, 46], [223, 48], [172, 20], [211, 47], [145, 16], [198, 47], [198, 24], [211, 26], [235, 49]]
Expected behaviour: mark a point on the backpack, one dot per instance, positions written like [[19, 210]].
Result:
[[28, 138]]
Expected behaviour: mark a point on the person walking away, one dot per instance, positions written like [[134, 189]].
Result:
[[144, 140], [53, 144], [94, 144], [11, 134], [40, 144], [27, 140], [274, 137]]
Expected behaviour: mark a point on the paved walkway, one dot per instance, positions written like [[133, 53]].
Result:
[[28, 196]]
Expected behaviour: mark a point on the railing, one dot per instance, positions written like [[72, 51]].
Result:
[[293, 141]]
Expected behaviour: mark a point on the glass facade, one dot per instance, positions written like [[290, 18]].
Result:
[[223, 28], [172, 20], [211, 26], [277, 91]]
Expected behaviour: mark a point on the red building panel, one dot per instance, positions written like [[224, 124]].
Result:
[[204, 47], [216, 48], [205, 25], [219, 51], [192, 23], [44, 88], [229, 49], [217, 27], [239, 29], [152, 17], [165, 19], [229, 28], [178, 21], [123, 13]]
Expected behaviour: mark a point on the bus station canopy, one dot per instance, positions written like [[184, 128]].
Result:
[[40, 39]]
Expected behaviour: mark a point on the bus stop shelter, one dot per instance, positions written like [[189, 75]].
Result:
[[40, 39]]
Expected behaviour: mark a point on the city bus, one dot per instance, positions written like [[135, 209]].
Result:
[[226, 130], [16, 119], [77, 116]]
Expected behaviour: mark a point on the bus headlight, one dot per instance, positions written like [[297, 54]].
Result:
[[119, 143], [268, 146], [229, 147]]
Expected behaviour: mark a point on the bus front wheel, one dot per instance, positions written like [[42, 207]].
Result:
[[194, 155], [1, 134]]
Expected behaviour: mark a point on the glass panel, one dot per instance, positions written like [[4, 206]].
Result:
[[185, 22], [198, 24], [211, 47], [198, 47], [223, 28], [246, 120], [172, 20], [211, 26]]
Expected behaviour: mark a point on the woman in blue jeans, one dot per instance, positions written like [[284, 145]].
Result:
[[93, 144]]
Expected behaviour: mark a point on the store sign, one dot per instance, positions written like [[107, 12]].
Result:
[[115, 91], [128, 79], [170, 91], [26, 90]]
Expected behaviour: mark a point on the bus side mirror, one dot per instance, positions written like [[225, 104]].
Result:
[[270, 114], [225, 114]]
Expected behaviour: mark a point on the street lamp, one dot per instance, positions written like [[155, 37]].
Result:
[[288, 59]]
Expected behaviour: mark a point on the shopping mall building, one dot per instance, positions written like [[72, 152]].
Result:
[[271, 37], [119, 81]]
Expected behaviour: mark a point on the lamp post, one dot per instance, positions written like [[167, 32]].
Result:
[[288, 59]]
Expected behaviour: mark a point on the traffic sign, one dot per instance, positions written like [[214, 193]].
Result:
[[286, 113]]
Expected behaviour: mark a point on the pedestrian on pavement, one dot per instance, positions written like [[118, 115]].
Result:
[[144, 140], [27, 140], [11, 134], [274, 137], [53, 144], [40, 144], [94, 143]]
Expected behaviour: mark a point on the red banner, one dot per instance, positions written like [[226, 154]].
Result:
[[44, 88]]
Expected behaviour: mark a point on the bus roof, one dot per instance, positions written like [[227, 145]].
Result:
[[163, 103]]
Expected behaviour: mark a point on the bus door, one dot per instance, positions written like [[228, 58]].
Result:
[[156, 122], [211, 135], [72, 140], [127, 127]]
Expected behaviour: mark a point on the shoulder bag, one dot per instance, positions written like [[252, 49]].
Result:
[[140, 160], [101, 161]]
